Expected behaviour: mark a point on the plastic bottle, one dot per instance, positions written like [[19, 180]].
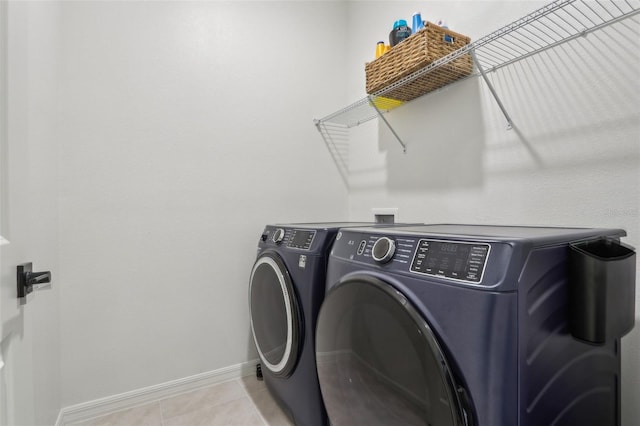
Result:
[[400, 32], [380, 49], [418, 23], [444, 25]]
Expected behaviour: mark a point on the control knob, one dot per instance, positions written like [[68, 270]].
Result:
[[383, 250], [278, 236]]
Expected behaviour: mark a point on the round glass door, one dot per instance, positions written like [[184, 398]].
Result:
[[275, 320], [378, 361]]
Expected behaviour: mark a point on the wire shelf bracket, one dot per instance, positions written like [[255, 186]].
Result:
[[492, 90]]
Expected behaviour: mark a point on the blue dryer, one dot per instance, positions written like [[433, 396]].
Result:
[[286, 289], [475, 325]]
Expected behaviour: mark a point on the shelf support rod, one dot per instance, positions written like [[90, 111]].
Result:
[[381, 115], [492, 90]]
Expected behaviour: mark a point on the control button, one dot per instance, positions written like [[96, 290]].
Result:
[[383, 250], [362, 246], [278, 236], [263, 237]]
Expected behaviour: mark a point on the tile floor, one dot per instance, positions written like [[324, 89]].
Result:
[[241, 402]]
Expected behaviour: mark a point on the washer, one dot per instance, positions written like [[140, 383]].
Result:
[[286, 289], [469, 325]]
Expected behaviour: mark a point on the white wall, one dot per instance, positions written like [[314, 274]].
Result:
[[573, 158], [185, 127]]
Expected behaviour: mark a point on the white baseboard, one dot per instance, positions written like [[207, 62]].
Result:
[[88, 410]]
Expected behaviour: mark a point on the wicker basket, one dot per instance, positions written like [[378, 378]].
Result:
[[414, 53]]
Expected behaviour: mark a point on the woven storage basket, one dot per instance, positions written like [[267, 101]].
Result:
[[413, 54]]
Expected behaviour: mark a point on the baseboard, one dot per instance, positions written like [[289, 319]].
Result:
[[88, 410]]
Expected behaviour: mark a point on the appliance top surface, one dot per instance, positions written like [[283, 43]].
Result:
[[323, 225], [534, 234], [337, 225]]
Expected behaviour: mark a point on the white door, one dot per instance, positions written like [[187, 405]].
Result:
[[30, 376]]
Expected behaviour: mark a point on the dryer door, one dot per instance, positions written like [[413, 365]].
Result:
[[275, 319], [378, 361]]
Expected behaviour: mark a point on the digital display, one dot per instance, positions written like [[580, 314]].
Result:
[[301, 239], [459, 261]]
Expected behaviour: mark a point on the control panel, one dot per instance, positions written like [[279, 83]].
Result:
[[462, 261], [451, 259], [376, 248], [301, 239]]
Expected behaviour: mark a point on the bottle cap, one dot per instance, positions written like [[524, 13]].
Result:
[[399, 23]]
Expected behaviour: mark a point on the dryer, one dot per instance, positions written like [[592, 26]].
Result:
[[475, 325], [286, 289]]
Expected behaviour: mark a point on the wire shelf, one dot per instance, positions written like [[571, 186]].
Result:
[[547, 27], [558, 22]]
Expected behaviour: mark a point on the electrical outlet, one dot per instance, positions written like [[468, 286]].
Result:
[[385, 214]]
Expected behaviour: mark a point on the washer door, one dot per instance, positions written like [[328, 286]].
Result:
[[275, 319], [378, 361]]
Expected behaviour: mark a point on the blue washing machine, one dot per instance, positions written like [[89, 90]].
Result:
[[475, 325], [286, 289]]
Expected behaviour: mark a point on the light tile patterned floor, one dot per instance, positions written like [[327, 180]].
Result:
[[240, 402]]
